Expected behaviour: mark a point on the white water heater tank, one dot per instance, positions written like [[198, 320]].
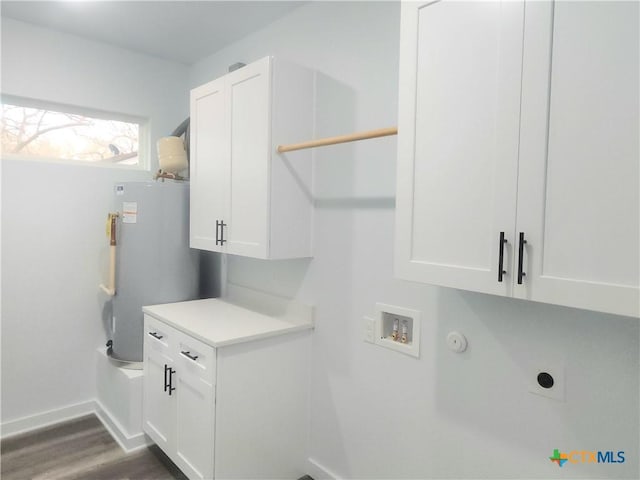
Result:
[[154, 261]]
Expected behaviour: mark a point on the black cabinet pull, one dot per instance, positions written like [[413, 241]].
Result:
[[521, 273], [222, 239], [220, 232], [188, 355], [168, 380], [171, 387], [155, 335], [501, 270]]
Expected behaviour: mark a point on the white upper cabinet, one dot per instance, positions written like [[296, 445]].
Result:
[[460, 66], [520, 121], [248, 97], [209, 165], [578, 191], [247, 199]]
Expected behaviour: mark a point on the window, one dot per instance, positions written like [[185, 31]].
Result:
[[33, 132]]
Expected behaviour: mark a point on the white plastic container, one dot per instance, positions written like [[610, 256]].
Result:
[[172, 157]]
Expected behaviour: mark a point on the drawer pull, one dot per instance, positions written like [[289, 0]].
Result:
[[188, 355], [155, 335]]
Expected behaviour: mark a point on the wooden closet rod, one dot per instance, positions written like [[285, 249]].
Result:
[[352, 137]]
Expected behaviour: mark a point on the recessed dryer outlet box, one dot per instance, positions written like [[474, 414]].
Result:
[[398, 328], [547, 381]]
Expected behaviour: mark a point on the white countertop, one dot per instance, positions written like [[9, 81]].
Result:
[[218, 322]]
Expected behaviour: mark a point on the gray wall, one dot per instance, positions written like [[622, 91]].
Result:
[[54, 249], [380, 414]]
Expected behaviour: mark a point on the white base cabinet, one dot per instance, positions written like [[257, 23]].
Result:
[[518, 150], [179, 393], [232, 412]]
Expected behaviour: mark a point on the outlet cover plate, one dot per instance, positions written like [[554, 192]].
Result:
[[369, 330]]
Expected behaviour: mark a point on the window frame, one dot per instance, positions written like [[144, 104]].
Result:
[[144, 148]]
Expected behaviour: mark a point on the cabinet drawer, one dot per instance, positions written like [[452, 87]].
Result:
[[158, 335], [194, 357]]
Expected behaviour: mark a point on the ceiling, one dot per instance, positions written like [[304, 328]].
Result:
[[182, 31]]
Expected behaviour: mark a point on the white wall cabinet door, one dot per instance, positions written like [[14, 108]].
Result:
[[578, 191], [247, 91], [460, 67], [209, 167]]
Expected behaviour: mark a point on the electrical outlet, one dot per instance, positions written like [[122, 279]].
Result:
[[369, 330], [547, 381]]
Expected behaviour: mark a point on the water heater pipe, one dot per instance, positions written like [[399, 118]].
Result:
[[111, 233]]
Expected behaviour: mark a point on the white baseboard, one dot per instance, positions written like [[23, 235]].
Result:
[[128, 443], [319, 472], [44, 419]]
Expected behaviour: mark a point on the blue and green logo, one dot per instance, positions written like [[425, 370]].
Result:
[[559, 458]]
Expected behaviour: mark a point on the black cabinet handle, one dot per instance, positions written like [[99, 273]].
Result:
[[168, 380], [188, 355], [171, 387], [220, 232], [501, 270], [155, 335], [222, 239], [521, 273]]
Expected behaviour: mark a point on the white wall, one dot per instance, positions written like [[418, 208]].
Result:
[[54, 249], [380, 414]]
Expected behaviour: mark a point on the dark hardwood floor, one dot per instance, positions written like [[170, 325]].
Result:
[[80, 449]]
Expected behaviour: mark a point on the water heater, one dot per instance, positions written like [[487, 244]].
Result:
[[154, 263]]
